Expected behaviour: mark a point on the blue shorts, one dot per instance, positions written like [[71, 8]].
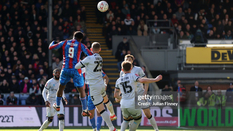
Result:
[[90, 104], [67, 74]]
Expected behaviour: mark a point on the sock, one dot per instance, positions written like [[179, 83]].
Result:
[[153, 123], [131, 122], [44, 125], [61, 125], [58, 100], [106, 118], [124, 125], [110, 107], [93, 122], [99, 122], [135, 125], [84, 103]]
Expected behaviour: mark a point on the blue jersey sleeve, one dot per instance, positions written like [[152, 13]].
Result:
[[86, 50], [54, 46]]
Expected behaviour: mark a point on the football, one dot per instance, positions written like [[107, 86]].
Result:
[[102, 6]]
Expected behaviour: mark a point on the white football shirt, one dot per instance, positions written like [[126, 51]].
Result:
[[128, 86], [137, 71], [51, 86], [93, 69]]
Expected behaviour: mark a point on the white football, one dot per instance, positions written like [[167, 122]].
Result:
[[102, 6]]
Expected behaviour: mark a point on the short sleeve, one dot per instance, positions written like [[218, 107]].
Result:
[[117, 85], [135, 77], [141, 72], [85, 61]]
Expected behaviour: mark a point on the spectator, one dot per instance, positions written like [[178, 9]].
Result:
[[120, 59], [74, 100], [57, 64], [142, 29], [11, 99], [229, 93], [179, 13], [228, 26], [166, 88], [70, 86], [210, 35], [174, 19], [196, 92], [4, 86], [144, 70], [228, 35], [208, 99], [220, 99], [32, 100], [25, 86], [14, 86], [35, 89], [110, 13], [128, 20], [1, 100], [125, 10]]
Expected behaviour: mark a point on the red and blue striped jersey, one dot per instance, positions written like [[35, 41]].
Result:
[[72, 50]]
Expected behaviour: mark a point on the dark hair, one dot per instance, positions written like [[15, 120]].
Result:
[[78, 35], [95, 46], [126, 65], [55, 70]]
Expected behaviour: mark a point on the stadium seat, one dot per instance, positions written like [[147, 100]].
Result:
[[23, 96]]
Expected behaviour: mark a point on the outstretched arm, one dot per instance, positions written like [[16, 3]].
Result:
[[86, 50], [150, 80], [54, 46], [117, 93]]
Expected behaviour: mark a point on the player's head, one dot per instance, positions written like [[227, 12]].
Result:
[[78, 35], [56, 73], [126, 66], [95, 47], [129, 58]]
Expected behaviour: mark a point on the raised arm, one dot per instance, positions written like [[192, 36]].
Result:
[[54, 46], [150, 80], [86, 50]]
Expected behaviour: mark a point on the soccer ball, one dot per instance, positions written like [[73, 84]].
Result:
[[102, 6]]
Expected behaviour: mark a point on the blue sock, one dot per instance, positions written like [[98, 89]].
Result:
[[99, 122], [93, 122], [58, 99], [84, 103]]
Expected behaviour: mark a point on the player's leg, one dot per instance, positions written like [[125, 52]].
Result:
[[109, 105], [99, 121], [126, 117], [50, 113], [105, 116], [150, 118], [46, 123], [97, 100], [91, 109], [61, 118], [61, 122], [64, 79], [79, 84], [136, 115]]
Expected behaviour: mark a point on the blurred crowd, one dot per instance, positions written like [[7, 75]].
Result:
[[24, 48], [129, 17]]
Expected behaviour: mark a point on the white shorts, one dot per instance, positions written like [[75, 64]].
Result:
[[131, 112], [97, 92], [52, 112]]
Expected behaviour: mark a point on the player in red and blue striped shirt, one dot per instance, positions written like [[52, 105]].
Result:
[[72, 50]]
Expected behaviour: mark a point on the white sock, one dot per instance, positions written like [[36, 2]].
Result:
[[44, 125], [124, 125], [61, 125], [153, 123], [110, 107], [106, 118], [135, 125]]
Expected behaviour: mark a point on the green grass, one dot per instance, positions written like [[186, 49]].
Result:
[[140, 129]]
